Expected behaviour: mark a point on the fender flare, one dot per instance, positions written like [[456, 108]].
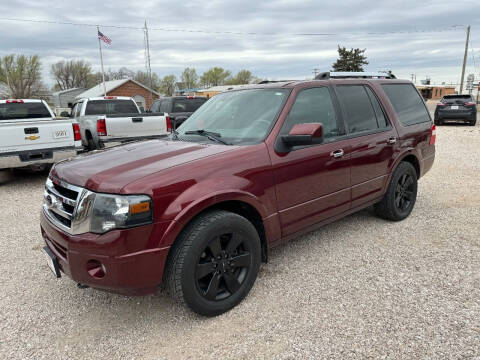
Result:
[[187, 214], [406, 152]]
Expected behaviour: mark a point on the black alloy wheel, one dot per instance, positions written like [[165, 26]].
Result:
[[223, 266], [214, 262], [401, 194], [404, 192]]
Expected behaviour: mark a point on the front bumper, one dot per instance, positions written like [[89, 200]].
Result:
[[34, 157], [132, 264]]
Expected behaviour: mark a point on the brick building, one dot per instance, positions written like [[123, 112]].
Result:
[[435, 92], [142, 95]]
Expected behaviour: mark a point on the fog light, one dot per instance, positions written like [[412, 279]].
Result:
[[96, 269]]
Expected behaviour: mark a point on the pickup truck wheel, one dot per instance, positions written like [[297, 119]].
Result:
[[401, 194], [214, 262], [90, 144]]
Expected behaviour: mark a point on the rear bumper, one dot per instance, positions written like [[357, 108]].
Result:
[[128, 139], [130, 267], [455, 114], [34, 157]]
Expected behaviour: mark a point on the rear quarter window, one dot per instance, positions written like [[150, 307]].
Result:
[[408, 104]]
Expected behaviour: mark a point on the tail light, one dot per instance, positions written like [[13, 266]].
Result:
[[101, 127], [14, 101], [77, 136], [441, 104], [169, 123], [470, 103], [433, 135]]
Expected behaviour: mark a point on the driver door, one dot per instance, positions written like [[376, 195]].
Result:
[[312, 182]]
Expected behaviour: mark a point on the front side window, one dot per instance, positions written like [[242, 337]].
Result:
[[313, 106], [408, 104], [359, 113], [110, 107], [239, 117]]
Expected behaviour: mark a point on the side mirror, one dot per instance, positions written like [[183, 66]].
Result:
[[142, 109], [304, 134]]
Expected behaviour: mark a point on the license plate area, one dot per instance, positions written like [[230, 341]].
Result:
[[454, 107], [52, 262], [59, 134]]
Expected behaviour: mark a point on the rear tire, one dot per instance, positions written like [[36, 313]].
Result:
[[90, 144], [399, 200], [214, 262], [473, 122]]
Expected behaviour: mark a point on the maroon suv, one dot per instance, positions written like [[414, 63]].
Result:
[[249, 170]]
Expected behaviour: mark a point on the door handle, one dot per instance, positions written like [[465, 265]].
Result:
[[137, 119], [337, 153], [392, 140]]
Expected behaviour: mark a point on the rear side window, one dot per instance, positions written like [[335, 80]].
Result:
[[381, 118], [187, 105], [359, 113], [10, 111], [407, 103], [110, 107], [314, 106]]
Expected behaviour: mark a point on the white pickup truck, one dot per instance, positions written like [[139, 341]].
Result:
[[31, 136], [116, 119]]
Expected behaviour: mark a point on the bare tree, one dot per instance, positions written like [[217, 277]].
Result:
[[21, 76], [71, 74], [167, 85], [189, 78]]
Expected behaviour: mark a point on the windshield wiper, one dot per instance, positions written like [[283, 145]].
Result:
[[208, 134]]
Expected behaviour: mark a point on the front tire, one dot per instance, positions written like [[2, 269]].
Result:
[[399, 200], [214, 262]]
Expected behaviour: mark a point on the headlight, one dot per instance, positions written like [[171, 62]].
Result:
[[119, 211]]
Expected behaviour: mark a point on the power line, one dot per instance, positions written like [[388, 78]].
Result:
[[448, 28]]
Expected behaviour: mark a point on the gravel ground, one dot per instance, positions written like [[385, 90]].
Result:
[[359, 288]]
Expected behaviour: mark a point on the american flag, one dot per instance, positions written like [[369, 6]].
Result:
[[104, 38]]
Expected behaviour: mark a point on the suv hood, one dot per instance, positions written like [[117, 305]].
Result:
[[112, 169]]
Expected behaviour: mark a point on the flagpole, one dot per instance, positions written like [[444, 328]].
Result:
[[101, 59]]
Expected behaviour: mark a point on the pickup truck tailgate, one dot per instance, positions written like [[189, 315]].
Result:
[[135, 126], [35, 134]]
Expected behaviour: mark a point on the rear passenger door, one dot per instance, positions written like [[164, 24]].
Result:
[[373, 141]]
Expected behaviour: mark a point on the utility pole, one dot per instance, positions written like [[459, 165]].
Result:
[[147, 60], [464, 59], [315, 72], [414, 78]]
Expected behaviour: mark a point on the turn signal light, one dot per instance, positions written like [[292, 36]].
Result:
[[139, 208]]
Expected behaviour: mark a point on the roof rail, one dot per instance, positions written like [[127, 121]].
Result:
[[273, 81], [354, 75]]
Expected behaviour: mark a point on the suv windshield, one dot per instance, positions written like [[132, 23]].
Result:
[[239, 117], [110, 107], [35, 110]]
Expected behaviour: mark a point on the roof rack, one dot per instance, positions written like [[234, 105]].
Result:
[[354, 75]]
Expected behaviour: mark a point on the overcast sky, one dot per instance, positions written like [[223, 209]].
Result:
[[274, 53]]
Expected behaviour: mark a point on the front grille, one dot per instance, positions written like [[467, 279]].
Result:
[[60, 201]]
